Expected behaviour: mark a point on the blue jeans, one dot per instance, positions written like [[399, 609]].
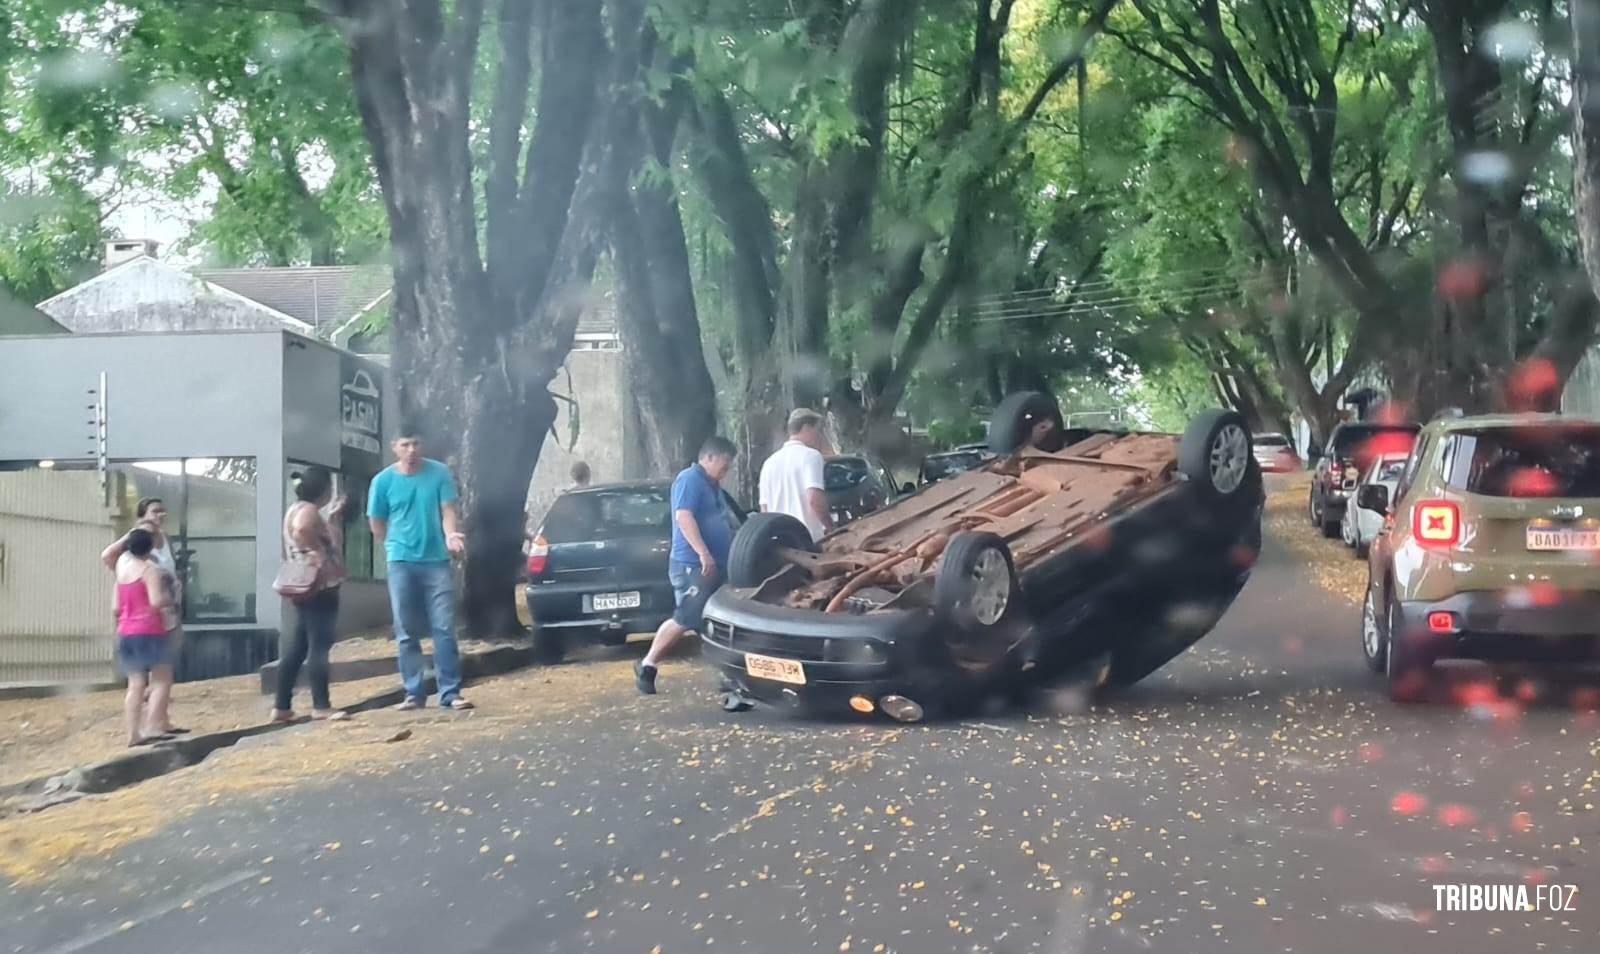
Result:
[[425, 590]]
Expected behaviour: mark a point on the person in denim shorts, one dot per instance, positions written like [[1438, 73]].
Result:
[[701, 535]]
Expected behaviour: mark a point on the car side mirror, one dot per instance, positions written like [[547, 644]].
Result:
[[1374, 497]]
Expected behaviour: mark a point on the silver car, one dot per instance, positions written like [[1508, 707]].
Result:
[[1360, 526]]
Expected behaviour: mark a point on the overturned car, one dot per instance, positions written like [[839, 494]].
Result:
[[1111, 550]]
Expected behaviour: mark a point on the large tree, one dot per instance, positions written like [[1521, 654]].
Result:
[[479, 327]]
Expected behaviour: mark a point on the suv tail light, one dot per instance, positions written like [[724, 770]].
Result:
[[538, 557], [1436, 523]]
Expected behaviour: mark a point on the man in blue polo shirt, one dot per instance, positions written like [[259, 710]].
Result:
[[701, 535]]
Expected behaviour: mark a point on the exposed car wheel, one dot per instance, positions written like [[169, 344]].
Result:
[[549, 645], [1347, 533], [1373, 640], [1014, 420], [1214, 452], [1406, 670], [1313, 511], [976, 584], [754, 555]]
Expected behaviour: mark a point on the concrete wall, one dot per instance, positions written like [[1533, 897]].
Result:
[[216, 395], [1582, 394], [605, 435]]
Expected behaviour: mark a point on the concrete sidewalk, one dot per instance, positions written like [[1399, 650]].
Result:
[[75, 727]]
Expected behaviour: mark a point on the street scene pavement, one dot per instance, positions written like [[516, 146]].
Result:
[[1258, 794]]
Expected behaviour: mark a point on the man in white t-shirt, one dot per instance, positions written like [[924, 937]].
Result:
[[791, 479]]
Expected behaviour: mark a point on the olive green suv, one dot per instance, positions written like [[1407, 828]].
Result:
[[1490, 549]]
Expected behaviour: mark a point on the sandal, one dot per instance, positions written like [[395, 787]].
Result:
[[329, 715], [149, 740], [410, 705], [461, 705], [282, 715]]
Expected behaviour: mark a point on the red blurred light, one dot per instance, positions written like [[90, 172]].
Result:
[[1533, 385], [1462, 280], [1586, 699], [1521, 821], [1457, 816], [1476, 693], [1441, 622], [1338, 816], [1408, 803], [1531, 482], [1370, 751], [1436, 523]]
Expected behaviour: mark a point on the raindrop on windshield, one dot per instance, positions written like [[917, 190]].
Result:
[[1511, 41]]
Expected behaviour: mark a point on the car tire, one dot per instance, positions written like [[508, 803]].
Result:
[[1214, 453], [975, 586], [1313, 512], [1374, 641], [549, 645], [1014, 419], [753, 557], [1405, 669]]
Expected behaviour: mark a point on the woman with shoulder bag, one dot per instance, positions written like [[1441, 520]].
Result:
[[313, 536]]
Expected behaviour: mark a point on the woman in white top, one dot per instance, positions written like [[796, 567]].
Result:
[[151, 514]]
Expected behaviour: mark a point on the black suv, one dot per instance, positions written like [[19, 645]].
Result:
[[1351, 449]]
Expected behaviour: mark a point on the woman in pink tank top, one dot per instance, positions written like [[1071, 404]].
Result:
[[143, 650]]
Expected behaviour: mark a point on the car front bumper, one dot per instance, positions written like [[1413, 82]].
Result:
[[1510, 626], [841, 654]]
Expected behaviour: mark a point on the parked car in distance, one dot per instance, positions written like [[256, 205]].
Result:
[[856, 486], [597, 567], [1351, 449], [1489, 550], [1274, 455], [1112, 553], [1360, 525], [936, 467]]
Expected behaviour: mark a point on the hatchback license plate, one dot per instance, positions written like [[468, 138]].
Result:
[[1562, 538], [606, 602], [778, 670]]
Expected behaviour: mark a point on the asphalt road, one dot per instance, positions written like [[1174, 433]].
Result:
[[1257, 795]]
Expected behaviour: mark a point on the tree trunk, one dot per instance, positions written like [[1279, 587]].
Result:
[[475, 347], [657, 317], [1586, 125]]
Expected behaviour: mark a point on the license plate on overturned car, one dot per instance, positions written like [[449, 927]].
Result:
[[778, 670], [606, 602], [1562, 538]]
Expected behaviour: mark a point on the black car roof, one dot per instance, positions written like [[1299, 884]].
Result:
[[656, 484]]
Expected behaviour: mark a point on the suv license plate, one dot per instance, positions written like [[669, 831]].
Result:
[[1563, 538], [606, 602], [778, 670]]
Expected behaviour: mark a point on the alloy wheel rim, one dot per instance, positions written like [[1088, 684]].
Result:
[[992, 590], [1369, 627], [1230, 451]]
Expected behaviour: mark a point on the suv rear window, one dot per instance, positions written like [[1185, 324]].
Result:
[[938, 468], [1532, 461], [843, 473], [1364, 442], [601, 514]]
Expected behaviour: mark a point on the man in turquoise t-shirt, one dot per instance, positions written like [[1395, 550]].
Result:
[[412, 508]]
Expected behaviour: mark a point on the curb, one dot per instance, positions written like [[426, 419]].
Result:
[[165, 758]]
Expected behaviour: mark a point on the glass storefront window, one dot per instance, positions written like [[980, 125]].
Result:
[[219, 539], [358, 548]]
